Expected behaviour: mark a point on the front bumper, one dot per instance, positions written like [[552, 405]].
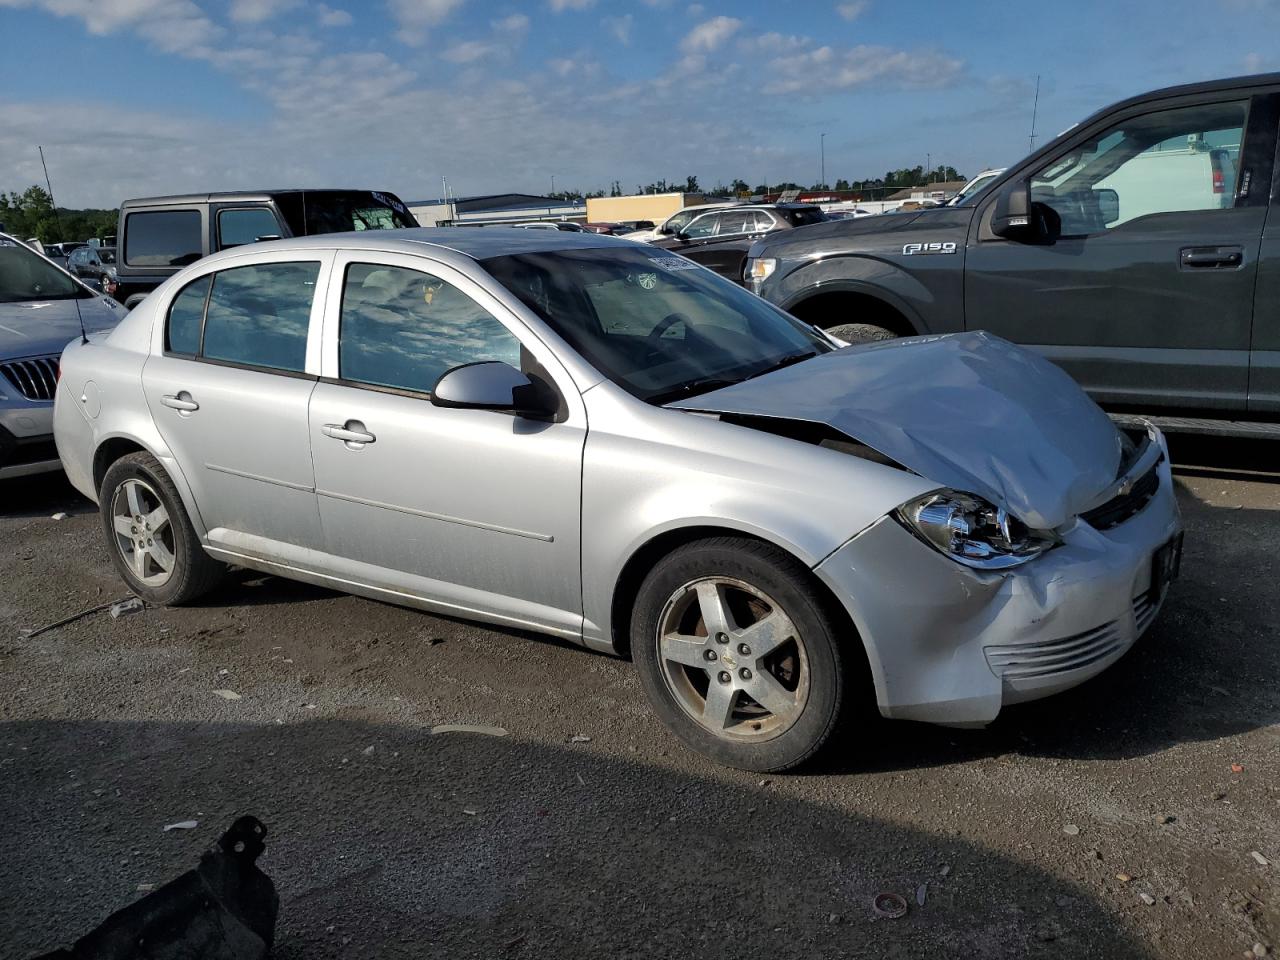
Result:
[[952, 645]]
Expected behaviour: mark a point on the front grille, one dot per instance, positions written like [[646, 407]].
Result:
[[35, 378], [1023, 661], [1123, 506]]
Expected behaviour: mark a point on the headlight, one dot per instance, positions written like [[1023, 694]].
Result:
[[972, 531], [758, 271]]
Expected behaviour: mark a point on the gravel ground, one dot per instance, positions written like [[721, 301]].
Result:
[[387, 841]]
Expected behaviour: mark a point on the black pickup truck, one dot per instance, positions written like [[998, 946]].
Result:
[[1140, 250], [158, 236]]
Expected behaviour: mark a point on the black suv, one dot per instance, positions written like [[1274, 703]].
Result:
[[719, 239], [1138, 250], [159, 236]]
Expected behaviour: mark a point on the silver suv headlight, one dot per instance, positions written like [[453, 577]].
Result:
[[972, 531]]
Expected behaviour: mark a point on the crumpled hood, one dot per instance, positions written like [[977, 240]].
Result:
[[970, 411], [36, 328]]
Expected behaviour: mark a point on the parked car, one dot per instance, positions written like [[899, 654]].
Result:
[[720, 239], [1135, 250], [775, 530], [96, 266], [565, 226], [41, 308], [676, 222], [161, 235], [610, 229], [975, 185]]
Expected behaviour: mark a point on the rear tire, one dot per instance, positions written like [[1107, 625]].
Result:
[[738, 653], [149, 535], [860, 333]]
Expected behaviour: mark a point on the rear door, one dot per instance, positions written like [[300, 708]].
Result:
[[1264, 358], [1147, 297], [228, 385]]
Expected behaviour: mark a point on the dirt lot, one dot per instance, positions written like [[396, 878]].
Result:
[[388, 841]]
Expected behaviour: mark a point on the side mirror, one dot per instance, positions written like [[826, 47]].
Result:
[[1108, 204], [666, 231], [492, 385], [1011, 217], [682, 237]]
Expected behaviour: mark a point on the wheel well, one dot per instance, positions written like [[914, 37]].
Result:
[[643, 560], [844, 306], [108, 453]]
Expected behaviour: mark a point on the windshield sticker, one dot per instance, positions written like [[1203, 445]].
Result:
[[647, 280], [386, 201], [671, 264]]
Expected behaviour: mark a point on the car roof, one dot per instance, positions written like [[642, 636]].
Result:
[[218, 197], [478, 243]]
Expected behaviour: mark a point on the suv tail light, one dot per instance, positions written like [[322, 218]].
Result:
[[1219, 179]]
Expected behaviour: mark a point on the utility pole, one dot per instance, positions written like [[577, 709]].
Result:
[[56, 219], [553, 185], [928, 168], [1035, 106], [822, 147]]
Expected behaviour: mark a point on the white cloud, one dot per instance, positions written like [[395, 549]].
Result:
[[469, 51], [416, 17], [620, 27], [258, 11], [332, 16], [1257, 63], [176, 26], [853, 9], [825, 69], [710, 34], [560, 6], [516, 23]]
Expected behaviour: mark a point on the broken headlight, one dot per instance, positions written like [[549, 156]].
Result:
[[972, 531]]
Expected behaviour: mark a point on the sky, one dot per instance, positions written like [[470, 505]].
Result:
[[143, 97]]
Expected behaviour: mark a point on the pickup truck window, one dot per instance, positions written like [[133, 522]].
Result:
[[162, 238], [247, 225], [1163, 162]]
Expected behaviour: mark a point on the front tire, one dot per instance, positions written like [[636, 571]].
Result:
[[149, 535], [738, 653]]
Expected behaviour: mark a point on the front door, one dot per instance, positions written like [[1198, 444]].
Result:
[[229, 395], [1147, 296], [475, 511]]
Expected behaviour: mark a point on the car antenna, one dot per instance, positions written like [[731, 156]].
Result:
[[84, 337]]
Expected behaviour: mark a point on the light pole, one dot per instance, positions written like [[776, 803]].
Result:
[[553, 185], [822, 149]]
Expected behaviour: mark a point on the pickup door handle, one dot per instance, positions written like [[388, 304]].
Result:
[[353, 431], [181, 401], [1200, 258]]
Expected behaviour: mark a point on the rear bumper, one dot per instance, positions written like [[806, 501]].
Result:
[[952, 645]]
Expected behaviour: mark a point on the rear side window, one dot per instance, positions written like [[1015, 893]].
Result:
[[259, 315], [238, 227], [182, 335], [162, 238], [403, 328]]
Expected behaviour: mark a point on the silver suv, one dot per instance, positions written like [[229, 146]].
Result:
[[41, 308]]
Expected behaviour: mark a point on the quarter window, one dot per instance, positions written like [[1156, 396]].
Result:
[[1167, 162], [238, 227], [404, 328], [186, 316], [259, 315], [162, 238]]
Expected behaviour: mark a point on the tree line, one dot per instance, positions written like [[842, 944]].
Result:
[[32, 214]]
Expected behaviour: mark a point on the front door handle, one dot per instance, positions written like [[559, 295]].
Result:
[[180, 401], [1200, 258], [351, 432]]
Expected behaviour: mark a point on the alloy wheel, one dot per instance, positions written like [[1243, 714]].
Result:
[[143, 533]]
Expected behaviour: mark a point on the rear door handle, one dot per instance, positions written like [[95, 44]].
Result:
[[181, 401], [1199, 258], [353, 431]]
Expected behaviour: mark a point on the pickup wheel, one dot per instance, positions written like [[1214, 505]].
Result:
[[860, 333]]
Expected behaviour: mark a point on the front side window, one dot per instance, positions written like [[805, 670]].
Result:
[[703, 227], [238, 227], [651, 321], [162, 238], [404, 328], [1166, 162], [259, 315]]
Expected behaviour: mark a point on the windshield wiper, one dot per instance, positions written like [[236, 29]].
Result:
[[690, 388], [786, 361]]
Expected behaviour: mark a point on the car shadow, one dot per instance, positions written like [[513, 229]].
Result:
[[42, 495], [386, 841]]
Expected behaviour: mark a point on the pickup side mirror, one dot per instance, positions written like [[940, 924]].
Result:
[[492, 385], [1017, 217], [1108, 204]]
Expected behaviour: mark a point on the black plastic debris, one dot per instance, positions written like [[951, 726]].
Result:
[[224, 909]]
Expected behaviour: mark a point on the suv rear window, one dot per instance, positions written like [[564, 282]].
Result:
[[803, 216], [162, 238]]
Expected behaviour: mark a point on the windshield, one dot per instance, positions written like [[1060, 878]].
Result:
[[26, 276], [974, 187], [656, 324], [338, 211]]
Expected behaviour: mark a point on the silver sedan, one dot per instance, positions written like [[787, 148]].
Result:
[[587, 437]]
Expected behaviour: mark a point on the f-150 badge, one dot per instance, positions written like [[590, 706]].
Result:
[[936, 247]]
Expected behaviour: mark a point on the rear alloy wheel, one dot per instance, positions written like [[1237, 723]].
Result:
[[738, 654], [149, 536]]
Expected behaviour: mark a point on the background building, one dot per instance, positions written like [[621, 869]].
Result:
[[646, 206]]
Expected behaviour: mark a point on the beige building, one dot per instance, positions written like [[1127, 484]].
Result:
[[647, 206]]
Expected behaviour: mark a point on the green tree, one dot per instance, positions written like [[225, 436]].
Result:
[[691, 185], [31, 214]]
